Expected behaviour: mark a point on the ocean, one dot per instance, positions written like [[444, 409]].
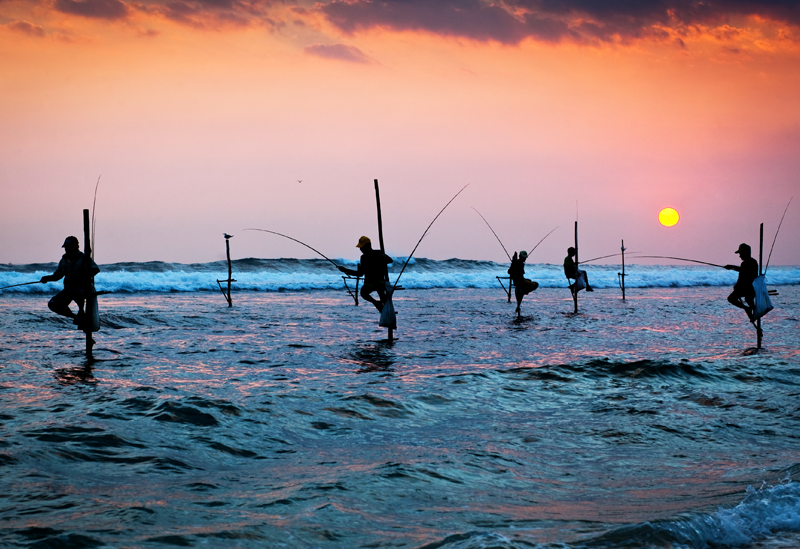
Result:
[[289, 420]]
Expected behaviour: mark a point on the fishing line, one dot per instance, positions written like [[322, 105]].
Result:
[[426, 232], [494, 233], [776, 235], [303, 243], [679, 259], [93, 204], [542, 240], [23, 284]]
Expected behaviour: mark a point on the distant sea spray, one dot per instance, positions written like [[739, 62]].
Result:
[[316, 274]]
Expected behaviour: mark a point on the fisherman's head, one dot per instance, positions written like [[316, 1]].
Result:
[[71, 245], [364, 244], [523, 255], [743, 251], [571, 251]]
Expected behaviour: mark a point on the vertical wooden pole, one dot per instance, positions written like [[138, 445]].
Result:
[[88, 285], [760, 263], [230, 270], [380, 238], [575, 291], [623, 270]]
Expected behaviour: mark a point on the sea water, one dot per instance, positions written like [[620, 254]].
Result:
[[289, 420]]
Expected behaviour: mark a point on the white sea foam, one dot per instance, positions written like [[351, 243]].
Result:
[[299, 275]]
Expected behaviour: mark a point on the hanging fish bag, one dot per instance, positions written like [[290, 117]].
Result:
[[763, 304], [580, 282], [388, 317]]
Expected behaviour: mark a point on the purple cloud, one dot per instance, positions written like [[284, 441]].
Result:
[[342, 52], [511, 21], [97, 9]]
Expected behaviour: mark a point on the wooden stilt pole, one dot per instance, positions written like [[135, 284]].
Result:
[[760, 264], [380, 238], [89, 285], [575, 291], [623, 270], [230, 270]]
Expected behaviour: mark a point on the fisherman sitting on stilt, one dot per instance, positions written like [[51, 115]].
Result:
[[743, 289], [571, 272], [71, 268], [373, 268], [522, 285]]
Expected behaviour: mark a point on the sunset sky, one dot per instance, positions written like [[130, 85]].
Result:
[[202, 115]]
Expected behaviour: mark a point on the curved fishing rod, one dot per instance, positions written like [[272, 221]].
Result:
[[776, 235], [23, 284], [494, 233], [679, 259], [542, 240], [93, 205], [605, 256], [303, 243], [423, 236]]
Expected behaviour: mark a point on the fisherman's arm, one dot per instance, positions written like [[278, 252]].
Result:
[[351, 272], [732, 268], [388, 259], [58, 275]]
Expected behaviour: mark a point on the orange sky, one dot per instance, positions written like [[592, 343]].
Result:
[[202, 116]]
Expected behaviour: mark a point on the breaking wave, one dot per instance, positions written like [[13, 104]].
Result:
[[316, 274]]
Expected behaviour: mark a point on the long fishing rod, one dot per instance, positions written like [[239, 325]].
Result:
[[303, 243], [423, 236], [606, 256], [542, 240], [494, 233], [94, 202], [23, 284], [776, 236], [679, 259]]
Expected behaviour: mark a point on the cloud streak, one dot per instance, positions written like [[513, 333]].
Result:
[[96, 9], [26, 28], [341, 52]]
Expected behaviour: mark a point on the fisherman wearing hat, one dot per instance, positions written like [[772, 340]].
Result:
[[74, 272], [743, 289], [522, 285], [373, 268]]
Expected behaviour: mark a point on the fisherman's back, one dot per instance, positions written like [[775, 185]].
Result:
[[373, 266]]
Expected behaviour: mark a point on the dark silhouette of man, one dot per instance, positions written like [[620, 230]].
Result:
[[73, 269], [522, 285], [372, 267], [743, 289], [571, 271]]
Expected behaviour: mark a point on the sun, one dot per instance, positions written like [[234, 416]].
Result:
[[668, 217]]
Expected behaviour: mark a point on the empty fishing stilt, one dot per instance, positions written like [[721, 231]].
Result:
[[353, 294], [622, 274], [500, 279], [230, 279]]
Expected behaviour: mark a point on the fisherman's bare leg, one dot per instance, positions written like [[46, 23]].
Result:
[[735, 299], [365, 294], [59, 304]]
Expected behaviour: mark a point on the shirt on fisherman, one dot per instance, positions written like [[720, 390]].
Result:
[[517, 271], [569, 267], [372, 267], [748, 271], [71, 269]]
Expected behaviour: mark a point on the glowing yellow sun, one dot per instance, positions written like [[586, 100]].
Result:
[[668, 217]]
